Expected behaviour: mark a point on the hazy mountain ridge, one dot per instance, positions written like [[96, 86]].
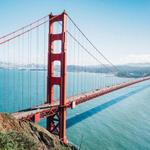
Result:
[[128, 70]]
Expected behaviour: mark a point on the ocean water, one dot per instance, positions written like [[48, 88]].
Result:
[[117, 121]]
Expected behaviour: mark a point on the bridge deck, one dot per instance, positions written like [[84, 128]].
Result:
[[30, 112], [48, 110]]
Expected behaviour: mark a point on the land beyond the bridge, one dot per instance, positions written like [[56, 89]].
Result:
[[17, 135], [135, 70]]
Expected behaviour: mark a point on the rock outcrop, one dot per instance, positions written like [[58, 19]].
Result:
[[18, 135]]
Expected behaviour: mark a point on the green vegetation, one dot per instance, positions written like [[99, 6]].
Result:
[[22, 135], [17, 141]]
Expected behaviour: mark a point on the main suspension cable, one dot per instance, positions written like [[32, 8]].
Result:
[[23, 27], [34, 27], [88, 51], [92, 44]]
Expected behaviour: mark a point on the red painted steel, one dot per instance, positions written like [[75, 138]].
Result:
[[57, 126], [37, 117], [99, 92], [50, 110]]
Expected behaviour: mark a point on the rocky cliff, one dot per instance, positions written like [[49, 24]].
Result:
[[17, 135]]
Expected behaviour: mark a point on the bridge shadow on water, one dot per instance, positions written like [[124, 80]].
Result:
[[80, 117]]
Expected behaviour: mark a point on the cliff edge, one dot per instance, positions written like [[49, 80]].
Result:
[[18, 135]]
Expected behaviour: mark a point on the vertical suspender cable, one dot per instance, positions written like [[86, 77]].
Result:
[[22, 70], [28, 52], [37, 65], [30, 77], [8, 90], [14, 82], [78, 71], [5, 60], [44, 61], [19, 73], [74, 62]]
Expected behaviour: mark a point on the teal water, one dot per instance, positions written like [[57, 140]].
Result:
[[117, 121]]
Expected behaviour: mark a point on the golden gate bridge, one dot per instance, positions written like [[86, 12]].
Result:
[[51, 45]]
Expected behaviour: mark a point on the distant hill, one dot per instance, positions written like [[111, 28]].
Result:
[[132, 70], [139, 64], [129, 70]]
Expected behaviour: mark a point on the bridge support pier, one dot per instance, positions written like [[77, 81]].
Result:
[[57, 123]]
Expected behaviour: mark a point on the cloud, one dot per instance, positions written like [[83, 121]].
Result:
[[136, 58]]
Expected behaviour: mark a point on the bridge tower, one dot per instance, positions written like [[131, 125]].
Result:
[[57, 123]]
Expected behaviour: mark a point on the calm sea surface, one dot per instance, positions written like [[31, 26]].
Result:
[[117, 121]]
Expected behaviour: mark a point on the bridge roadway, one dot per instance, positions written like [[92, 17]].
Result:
[[45, 110]]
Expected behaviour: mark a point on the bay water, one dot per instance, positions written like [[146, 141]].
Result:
[[116, 121]]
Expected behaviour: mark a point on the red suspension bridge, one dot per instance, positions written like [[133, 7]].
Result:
[[42, 80]]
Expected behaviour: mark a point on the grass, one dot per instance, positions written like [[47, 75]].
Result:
[[16, 141], [24, 135]]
